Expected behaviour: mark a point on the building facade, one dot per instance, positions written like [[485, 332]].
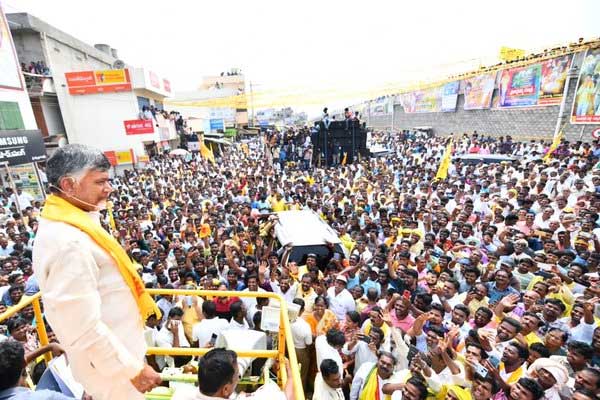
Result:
[[87, 94]]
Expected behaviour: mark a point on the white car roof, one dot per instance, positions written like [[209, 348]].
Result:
[[303, 228]]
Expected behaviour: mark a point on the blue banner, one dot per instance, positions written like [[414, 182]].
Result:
[[216, 124]]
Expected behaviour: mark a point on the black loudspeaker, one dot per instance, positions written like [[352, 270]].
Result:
[[347, 134]]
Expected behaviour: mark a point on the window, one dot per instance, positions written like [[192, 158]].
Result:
[[10, 116]]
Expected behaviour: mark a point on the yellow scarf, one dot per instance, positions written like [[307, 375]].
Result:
[[371, 389], [514, 376], [58, 209]]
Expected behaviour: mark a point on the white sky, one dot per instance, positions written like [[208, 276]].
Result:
[[337, 45]]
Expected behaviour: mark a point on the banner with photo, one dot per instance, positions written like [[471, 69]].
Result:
[[539, 84], [586, 107], [520, 87], [478, 91], [554, 76], [381, 106], [441, 98]]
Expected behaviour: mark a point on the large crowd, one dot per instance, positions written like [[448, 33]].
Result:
[[481, 285]]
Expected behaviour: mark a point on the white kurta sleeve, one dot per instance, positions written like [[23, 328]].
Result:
[[357, 384], [73, 306]]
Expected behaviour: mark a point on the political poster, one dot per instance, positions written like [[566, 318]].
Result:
[[449, 96], [380, 107], [441, 98], [554, 76], [520, 87], [25, 177], [586, 107], [478, 91]]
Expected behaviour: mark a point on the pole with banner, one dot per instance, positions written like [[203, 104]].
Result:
[[39, 179], [561, 112]]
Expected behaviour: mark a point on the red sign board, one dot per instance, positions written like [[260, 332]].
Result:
[[167, 85], [90, 82], [154, 81], [138, 126], [112, 157]]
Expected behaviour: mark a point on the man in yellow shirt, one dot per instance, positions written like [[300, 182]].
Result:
[[278, 203]]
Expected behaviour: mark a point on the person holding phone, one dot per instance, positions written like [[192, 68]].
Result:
[[171, 335], [203, 331], [364, 347]]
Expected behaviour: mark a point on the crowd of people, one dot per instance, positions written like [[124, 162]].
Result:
[[481, 285], [36, 67]]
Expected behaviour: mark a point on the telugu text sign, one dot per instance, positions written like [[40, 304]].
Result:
[[138, 126], [21, 147], [105, 81]]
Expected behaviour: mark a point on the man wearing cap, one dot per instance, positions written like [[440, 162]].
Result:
[[340, 299]]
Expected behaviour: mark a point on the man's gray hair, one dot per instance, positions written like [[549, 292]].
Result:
[[73, 160]]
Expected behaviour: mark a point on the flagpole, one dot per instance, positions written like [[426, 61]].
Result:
[[563, 103]]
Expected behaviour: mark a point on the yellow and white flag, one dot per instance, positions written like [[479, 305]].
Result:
[[555, 143], [442, 172]]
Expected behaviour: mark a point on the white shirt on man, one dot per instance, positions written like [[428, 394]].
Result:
[[236, 325], [360, 379], [362, 354], [166, 339], [301, 333], [25, 199], [325, 392], [341, 303], [202, 331], [325, 351]]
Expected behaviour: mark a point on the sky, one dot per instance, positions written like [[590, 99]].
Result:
[[317, 47]]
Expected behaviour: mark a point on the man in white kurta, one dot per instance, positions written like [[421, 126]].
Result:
[[86, 300], [91, 310]]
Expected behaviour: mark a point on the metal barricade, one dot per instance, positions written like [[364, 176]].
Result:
[[284, 336]]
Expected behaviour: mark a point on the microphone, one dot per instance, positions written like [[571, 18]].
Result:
[[96, 207]]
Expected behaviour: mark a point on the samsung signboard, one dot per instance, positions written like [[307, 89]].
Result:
[[21, 147]]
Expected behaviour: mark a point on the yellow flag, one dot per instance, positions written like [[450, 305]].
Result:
[[509, 54], [442, 172], [344, 159], [111, 218], [206, 152], [555, 143]]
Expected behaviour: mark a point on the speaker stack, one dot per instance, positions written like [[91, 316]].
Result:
[[347, 134]]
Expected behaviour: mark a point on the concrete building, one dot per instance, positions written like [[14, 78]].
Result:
[[98, 114], [21, 144], [219, 102], [15, 108]]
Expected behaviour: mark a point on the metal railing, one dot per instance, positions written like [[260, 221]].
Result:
[[284, 335], [39, 319]]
